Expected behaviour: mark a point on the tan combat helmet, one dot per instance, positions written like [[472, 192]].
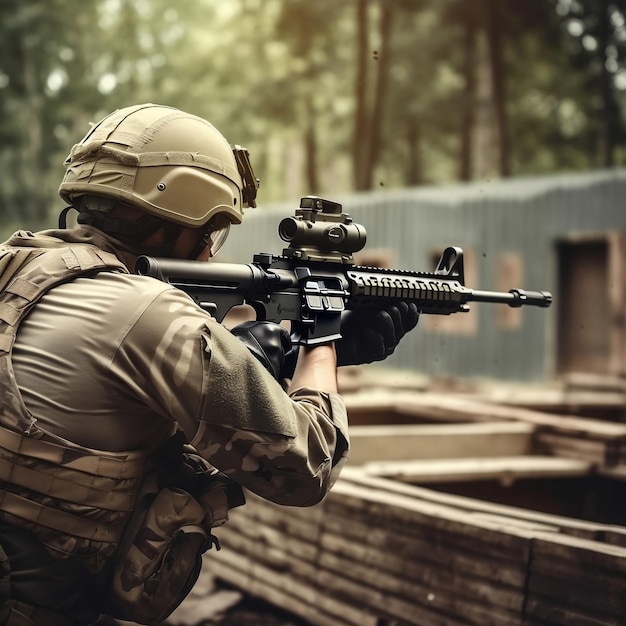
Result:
[[172, 165]]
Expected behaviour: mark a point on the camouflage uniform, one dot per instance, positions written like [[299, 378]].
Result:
[[102, 371]]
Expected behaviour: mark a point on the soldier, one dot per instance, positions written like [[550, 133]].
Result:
[[129, 418]]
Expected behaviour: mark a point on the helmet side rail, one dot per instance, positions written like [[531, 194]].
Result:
[[315, 279]]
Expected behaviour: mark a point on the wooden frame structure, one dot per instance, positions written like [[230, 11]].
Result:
[[384, 550]]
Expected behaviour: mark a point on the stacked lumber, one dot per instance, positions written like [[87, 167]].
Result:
[[576, 581], [587, 381], [359, 561], [593, 396], [599, 442], [380, 553], [426, 453]]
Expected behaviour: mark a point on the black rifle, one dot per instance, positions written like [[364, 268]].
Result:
[[315, 278]]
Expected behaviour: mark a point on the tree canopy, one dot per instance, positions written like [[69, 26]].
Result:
[[329, 96]]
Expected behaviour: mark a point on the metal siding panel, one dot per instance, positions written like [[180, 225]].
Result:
[[525, 215]]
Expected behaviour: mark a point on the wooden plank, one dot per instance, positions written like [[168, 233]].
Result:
[[432, 585], [446, 570], [596, 382], [327, 574], [275, 527], [593, 440], [388, 605], [614, 535], [601, 452], [485, 615], [396, 552], [429, 441], [378, 551], [399, 559], [541, 613], [544, 522], [503, 469], [569, 400], [298, 597], [283, 556], [292, 521], [582, 578], [360, 543], [401, 513], [504, 573], [580, 595], [602, 558], [252, 569], [459, 408], [463, 406]]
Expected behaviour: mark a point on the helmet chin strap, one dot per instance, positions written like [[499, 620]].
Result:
[[204, 241], [213, 237], [63, 216]]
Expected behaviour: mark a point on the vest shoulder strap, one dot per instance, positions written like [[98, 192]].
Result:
[[27, 273]]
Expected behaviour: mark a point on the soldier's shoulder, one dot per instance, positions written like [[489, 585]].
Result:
[[135, 286]]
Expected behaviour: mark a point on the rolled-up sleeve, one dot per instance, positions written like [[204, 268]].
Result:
[[288, 448]]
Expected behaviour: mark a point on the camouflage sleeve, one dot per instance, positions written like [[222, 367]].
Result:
[[288, 448]]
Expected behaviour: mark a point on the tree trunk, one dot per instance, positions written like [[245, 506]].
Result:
[[493, 26], [33, 156], [414, 159], [609, 109], [360, 138], [469, 98], [382, 79], [310, 146]]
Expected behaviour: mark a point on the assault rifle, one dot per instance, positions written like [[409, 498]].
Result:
[[315, 278]]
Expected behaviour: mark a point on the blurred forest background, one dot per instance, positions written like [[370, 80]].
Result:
[[329, 96]]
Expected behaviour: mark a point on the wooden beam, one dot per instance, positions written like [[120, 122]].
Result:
[[506, 470], [591, 440], [431, 441]]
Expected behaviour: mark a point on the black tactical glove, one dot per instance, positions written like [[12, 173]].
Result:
[[268, 342], [367, 335], [372, 335]]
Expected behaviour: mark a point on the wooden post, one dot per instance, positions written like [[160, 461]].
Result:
[[617, 302]]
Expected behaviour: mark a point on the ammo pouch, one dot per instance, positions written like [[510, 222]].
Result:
[[159, 564], [160, 555]]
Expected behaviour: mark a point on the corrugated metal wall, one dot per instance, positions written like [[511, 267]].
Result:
[[524, 217]]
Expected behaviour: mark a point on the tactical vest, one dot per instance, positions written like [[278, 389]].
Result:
[[102, 508], [76, 500]]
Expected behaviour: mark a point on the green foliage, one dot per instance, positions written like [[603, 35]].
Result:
[[280, 77]]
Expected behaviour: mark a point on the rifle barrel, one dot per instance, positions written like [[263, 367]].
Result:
[[514, 298]]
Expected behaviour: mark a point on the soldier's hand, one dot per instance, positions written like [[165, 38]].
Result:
[[372, 335], [267, 341]]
